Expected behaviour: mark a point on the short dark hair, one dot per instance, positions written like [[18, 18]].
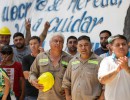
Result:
[[105, 31], [35, 37], [84, 37], [18, 34], [71, 37], [118, 36], [7, 49]]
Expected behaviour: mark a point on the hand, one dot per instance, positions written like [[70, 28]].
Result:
[[123, 62], [118, 69], [62, 92], [36, 85], [27, 25], [47, 25], [4, 60], [102, 97], [21, 98]]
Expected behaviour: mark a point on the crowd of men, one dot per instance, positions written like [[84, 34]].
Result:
[[79, 73]]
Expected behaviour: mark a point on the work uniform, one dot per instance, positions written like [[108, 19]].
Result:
[[43, 64], [81, 78]]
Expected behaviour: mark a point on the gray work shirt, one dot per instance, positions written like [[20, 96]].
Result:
[[43, 64], [82, 78]]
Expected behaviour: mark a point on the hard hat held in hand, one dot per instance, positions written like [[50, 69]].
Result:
[[5, 31], [47, 80]]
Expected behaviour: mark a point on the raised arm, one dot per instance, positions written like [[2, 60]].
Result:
[[44, 32], [28, 31]]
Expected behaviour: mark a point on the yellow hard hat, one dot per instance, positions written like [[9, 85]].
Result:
[[5, 31], [47, 80]]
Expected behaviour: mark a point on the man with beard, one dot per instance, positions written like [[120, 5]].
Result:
[[72, 45], [104, 35], [108, 47], [20, 50]]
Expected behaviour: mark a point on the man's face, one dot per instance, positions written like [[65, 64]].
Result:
[[103, 39], [4, 39], [120, 47], [84, 47], [34, 45], [19, 42], [72, 45], [56, 43]]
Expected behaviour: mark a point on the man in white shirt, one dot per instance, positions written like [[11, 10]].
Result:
[[114, 70]]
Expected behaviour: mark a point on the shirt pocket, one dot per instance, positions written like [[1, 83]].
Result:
[[91, 71], [43, 66], [75, 68]]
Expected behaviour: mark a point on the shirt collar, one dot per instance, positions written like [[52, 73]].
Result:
[[91, 57], [63, 54], [114, 56]]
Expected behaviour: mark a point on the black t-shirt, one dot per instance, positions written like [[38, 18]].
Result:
[[26, 64]]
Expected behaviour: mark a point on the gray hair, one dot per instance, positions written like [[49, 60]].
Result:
[[57, 34]]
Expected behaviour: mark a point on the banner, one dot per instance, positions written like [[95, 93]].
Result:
[[69, 17]]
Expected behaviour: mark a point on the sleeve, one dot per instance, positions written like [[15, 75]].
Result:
[[25, 64], [104, 66], [66, 83], [34, 70]]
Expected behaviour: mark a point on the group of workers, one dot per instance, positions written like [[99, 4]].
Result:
[[79, 72]]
